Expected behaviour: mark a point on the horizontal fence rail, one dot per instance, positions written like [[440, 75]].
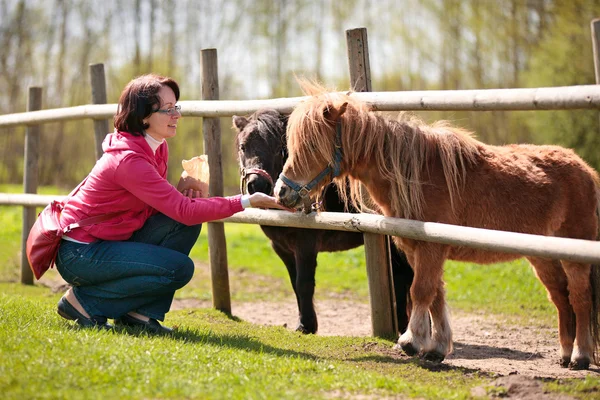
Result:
[[27, 199], [486, 239], [554, 98]]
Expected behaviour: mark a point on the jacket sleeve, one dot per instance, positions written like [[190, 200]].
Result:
[[140, 178]]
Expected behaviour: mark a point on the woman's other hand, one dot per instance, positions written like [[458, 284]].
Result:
[[261, 200], [191, 186]]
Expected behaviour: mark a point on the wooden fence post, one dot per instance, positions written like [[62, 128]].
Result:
[[358, 60], [211, 128], [30, 179], [98, 82], [596, 47], [377, 254], [595, 25]]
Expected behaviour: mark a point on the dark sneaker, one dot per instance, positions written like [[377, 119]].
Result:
[[67, 311]]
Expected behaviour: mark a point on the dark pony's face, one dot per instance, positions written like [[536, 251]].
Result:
[[261, 148], [313, 160]]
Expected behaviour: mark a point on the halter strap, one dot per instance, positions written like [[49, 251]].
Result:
[[335, 169], [245, 172]]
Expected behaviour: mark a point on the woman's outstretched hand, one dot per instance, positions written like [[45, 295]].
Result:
[[261, 200]]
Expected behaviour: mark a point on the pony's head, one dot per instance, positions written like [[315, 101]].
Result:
[[314, 142], [260, 141]]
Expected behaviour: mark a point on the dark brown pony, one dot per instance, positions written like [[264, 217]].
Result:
[[440, 173], [261, 151]]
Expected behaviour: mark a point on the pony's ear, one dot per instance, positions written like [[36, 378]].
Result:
[[333, 114], [239, 122]]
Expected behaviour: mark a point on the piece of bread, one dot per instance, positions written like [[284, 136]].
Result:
[[195, 175], [197, 167]]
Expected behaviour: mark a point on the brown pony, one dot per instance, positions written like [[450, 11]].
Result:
[[440, 173]]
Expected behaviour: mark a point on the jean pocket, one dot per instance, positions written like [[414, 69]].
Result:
[[68, 261]]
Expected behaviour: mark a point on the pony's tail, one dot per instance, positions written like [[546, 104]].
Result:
[[595, 284]]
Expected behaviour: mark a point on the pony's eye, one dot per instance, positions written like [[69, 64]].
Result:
[[242, 148]]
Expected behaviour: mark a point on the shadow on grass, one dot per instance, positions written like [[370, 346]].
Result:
[[235, 341]]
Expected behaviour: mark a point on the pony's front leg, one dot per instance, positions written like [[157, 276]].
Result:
[[427, 260], [289, 259], [306, 265], [441, 343]]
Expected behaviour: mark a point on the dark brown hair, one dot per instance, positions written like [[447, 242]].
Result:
[[139, 99]]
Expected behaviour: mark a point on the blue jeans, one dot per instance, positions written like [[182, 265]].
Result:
[[112, 278]]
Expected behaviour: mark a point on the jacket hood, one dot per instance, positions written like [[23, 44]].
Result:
[[124, 141]]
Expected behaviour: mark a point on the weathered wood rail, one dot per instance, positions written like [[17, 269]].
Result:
[[580, 97], [485, 239]]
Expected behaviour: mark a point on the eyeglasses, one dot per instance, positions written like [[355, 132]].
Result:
[[170, 111]]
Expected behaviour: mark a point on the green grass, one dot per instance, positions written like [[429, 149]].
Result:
[[216, 356], [213, 357]]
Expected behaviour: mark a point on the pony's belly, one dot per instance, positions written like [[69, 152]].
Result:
[[480, 256], [459, 253]]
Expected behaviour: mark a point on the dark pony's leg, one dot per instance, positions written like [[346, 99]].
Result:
[[289, 260], [552, 275], [402, 275], [306, 323], [306, 265]]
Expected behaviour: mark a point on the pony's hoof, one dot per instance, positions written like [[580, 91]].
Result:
[[434, 356], [564, 362], [302, 329], [409, 349], [579, 365]]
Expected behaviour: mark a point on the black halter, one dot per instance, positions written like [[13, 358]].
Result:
[[335, 168]]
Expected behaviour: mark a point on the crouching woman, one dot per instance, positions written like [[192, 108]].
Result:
[[128, 266]]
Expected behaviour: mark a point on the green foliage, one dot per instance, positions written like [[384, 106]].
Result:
[[560, 61]]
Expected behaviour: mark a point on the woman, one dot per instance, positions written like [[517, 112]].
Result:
[[129, 266]]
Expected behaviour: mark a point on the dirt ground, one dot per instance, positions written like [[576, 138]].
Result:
[[520, 358], [480, 342]]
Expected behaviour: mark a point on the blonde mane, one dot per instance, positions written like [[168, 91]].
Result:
[[400, 149]]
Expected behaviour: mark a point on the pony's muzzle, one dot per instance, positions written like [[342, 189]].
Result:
[[285, 195], [258, 184]]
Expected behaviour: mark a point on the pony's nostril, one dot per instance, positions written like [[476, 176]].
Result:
[[268, 188], [259, 185], [282, 191]]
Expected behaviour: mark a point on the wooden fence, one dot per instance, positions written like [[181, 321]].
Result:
[[372, 226]]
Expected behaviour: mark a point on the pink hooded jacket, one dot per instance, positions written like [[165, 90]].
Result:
[[130, 179]]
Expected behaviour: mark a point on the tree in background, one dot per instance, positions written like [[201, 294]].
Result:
[[557, 62], [263, 44]]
